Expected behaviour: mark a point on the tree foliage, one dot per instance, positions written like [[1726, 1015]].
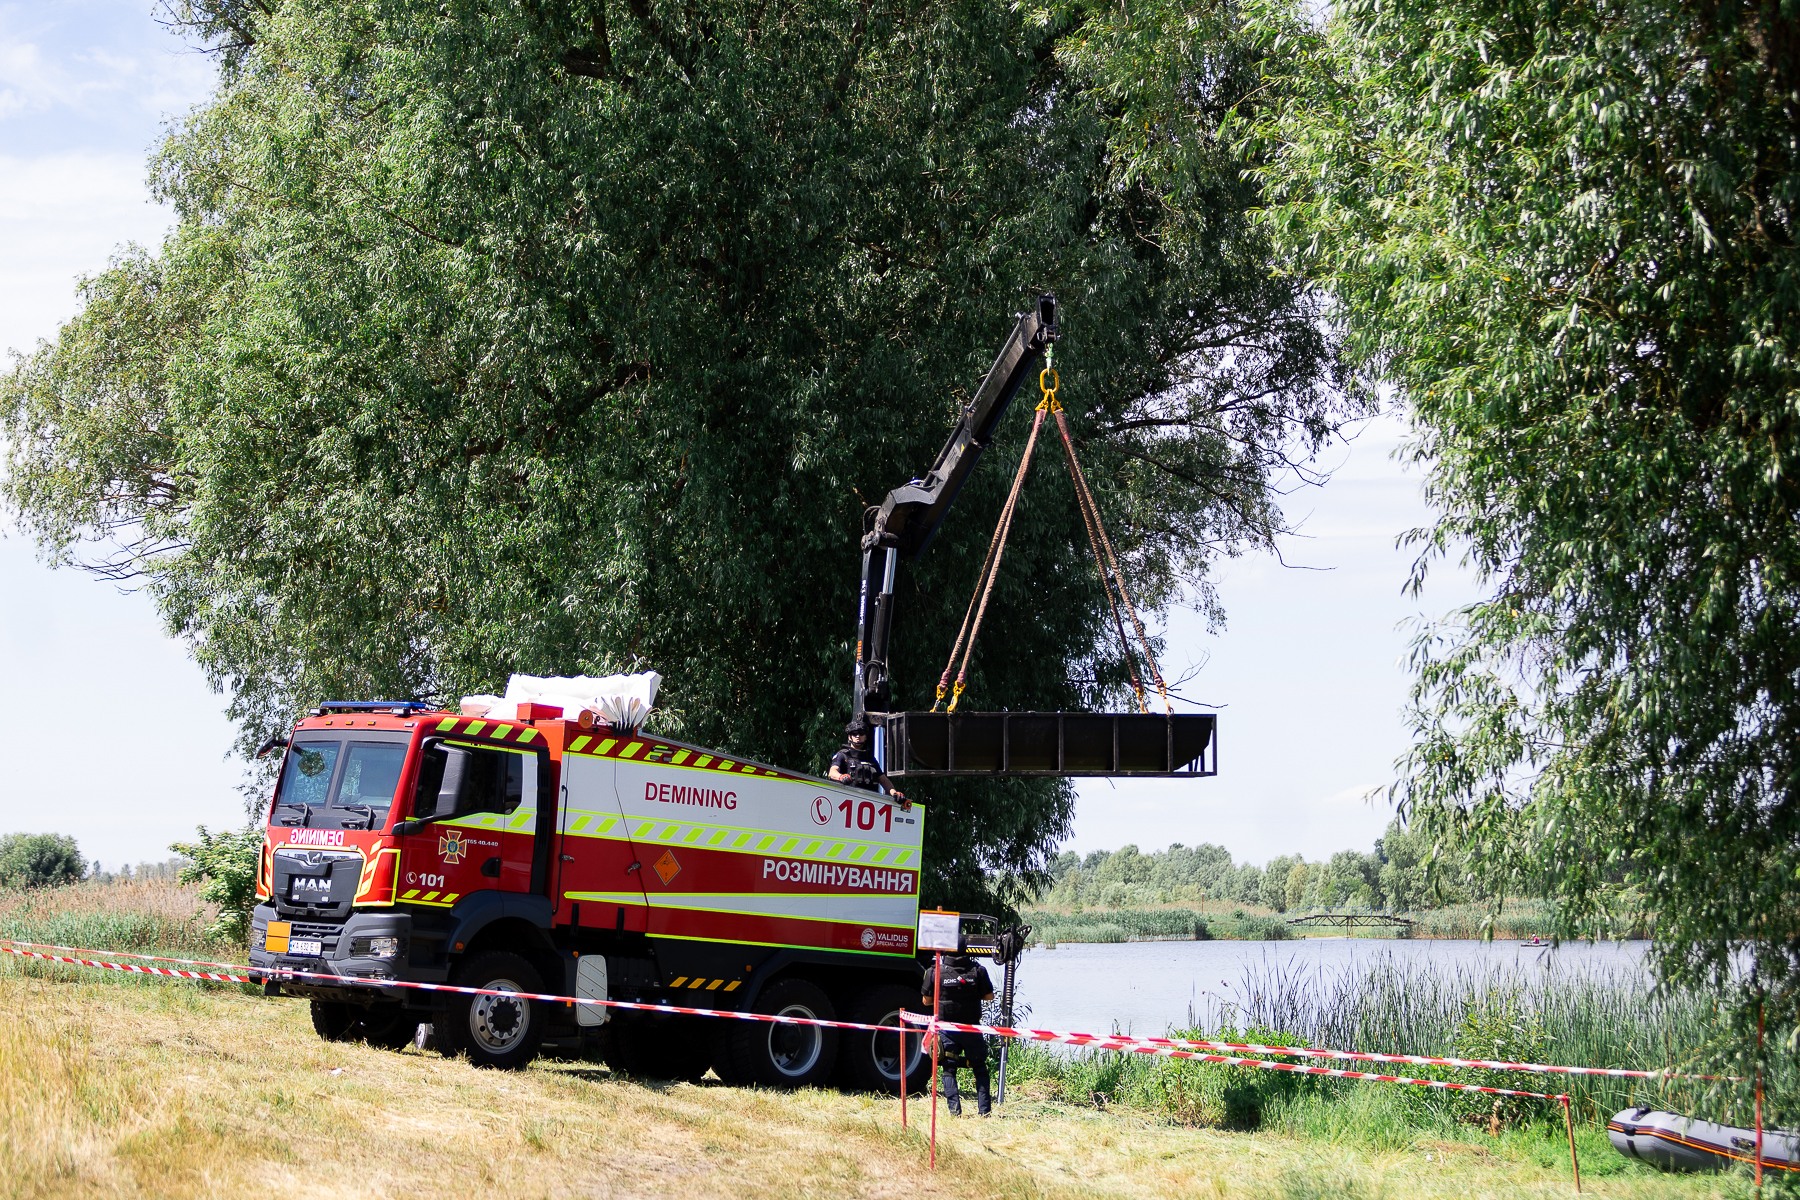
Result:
[[1403, 873], [30, 860], [224, 865], [1567, 234], [566, 336]]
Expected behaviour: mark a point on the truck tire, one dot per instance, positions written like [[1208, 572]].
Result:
[[390, 1027], [658, 1048], [870, 1061], [334, 1021], [386, 1026], [493, 1031], [784, 1056]]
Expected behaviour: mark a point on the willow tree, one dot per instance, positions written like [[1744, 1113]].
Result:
[[558, 337], [1567, 233]]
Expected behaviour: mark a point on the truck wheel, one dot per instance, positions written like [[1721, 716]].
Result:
[[871, 1061], [494, 1031], [389, 1027], [660, 1048], [786, 1056], [335, 1021], [386, 1026]]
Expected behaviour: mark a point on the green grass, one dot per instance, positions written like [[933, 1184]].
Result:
[[151, 916]]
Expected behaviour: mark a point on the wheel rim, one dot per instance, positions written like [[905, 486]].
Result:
[[499, 1023], [795, 1049], [885, 1048]]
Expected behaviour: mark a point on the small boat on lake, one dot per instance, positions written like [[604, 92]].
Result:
[[1673, 1142]]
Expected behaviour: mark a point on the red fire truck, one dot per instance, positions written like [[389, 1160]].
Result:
[[531, 852], [521, 850]]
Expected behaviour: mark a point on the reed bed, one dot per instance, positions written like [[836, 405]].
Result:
[[150, 916], [1405, 1007]]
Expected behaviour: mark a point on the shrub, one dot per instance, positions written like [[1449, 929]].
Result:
[[224, 865], [29, 860]]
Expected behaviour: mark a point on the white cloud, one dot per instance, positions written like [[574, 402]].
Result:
[[38, 76], [63, 216]]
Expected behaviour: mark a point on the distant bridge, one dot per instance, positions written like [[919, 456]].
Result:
[[1354, 920]]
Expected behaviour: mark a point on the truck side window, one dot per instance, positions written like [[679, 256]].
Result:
[[494, 782], [484, 781]]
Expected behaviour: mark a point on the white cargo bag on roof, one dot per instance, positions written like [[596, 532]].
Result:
[[624, 701]]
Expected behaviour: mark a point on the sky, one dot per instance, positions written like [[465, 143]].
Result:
[[111, 734]]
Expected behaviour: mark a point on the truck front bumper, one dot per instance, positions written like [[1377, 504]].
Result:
[[364, 946]]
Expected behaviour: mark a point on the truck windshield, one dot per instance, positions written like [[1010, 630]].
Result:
[[340, 783]]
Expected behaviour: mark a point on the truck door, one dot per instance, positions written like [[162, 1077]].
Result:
[[490, 843], [600, 883]]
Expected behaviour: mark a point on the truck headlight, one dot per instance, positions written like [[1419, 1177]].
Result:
[[375, 947]]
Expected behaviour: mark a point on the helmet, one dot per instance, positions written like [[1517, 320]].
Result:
[[857, 728]]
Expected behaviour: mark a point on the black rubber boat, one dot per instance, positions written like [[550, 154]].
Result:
[[1673, 1142]]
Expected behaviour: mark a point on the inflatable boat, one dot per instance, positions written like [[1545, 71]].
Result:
[[1673, 1142]]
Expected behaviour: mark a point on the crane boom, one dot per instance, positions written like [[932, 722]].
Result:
[[909, 517]]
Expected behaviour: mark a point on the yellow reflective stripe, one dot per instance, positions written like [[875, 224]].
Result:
[[632, 750], [579, 744], [681, 756], [714, 986], [681, 979], [636, 898], [447, 723], [474, 728], [733, 986]]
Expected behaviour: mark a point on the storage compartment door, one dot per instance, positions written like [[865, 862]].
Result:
[[599, 881]]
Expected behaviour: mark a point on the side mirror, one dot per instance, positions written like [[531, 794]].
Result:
[[275, 743], [443, 779]]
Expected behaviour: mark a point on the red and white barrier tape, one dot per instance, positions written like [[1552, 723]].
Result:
[[283, 975], [133, 968], [1186, 1048], [1119, 1041]]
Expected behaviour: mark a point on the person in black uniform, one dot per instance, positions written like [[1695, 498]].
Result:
[[855, 764], [965, 986]]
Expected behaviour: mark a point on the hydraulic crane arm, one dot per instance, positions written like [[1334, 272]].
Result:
[[909, 517]]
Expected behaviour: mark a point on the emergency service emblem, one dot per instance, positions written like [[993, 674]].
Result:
[[451, 847]]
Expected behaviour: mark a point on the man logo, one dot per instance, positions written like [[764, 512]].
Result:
[[821, 811], [868, 939]]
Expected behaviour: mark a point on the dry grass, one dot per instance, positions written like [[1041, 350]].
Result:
[[148, 915], [180, 1090]]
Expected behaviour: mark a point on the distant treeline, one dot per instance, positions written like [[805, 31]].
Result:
[[1392, 877]]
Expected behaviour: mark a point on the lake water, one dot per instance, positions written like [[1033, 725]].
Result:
[[1148, 987]]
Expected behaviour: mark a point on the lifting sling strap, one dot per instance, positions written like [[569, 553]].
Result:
[[1112, 580]]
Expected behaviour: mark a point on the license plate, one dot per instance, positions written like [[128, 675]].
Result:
[[305, 947]]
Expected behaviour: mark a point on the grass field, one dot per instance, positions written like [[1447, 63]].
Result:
[[116, 1087]]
